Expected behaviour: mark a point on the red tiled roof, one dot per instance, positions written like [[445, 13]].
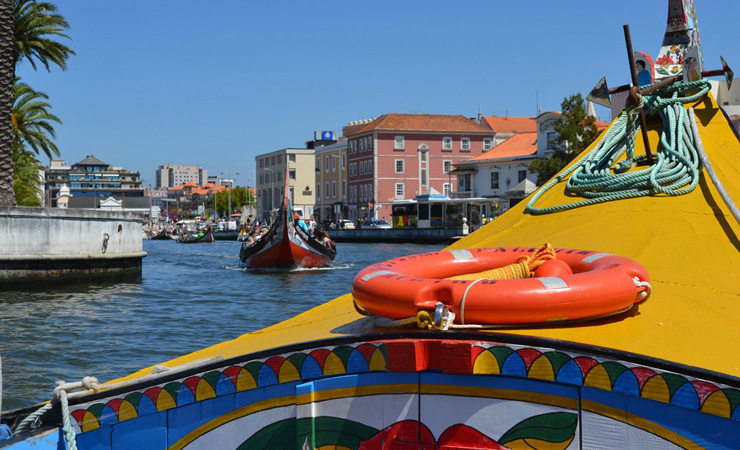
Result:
[[511, 124], [521, 144], [417, 122]]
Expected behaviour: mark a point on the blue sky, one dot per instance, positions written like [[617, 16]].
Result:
[[214, 84]]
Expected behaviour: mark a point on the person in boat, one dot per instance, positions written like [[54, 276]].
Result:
[[323, 238], [300, 223]]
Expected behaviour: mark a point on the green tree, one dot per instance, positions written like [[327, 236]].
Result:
[[7, 77], [576, 131], [28, 31], [32, 127], [32, 121], [26, 178], [239, 197]]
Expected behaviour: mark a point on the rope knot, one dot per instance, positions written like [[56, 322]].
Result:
[[90, 383]]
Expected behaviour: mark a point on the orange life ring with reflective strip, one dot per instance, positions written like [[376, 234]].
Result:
[[600, 284]]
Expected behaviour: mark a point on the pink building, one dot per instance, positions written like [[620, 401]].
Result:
[[399, 156]]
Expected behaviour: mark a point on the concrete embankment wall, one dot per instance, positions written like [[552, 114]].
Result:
[[46, 244], [414, 235]]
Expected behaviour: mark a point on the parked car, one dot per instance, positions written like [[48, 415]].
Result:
[[346, 224], [377, 224]]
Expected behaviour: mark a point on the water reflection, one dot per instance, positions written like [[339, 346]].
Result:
[[189, 297]]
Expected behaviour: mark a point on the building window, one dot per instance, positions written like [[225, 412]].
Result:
[[522, 175], [333, 189], [326, 163], [465, 144], [494, 180], [447, 143], [446, 189], [344, 161], [318, 163], [551, 140], [487, 143], [326, 192], [400, 191], [291, 174], [400, 143], [291, 157], [318, 190], [334, 163], [344, 189], [446, 166], [399, 166]]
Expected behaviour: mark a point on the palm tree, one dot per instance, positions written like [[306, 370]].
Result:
[[7, 76], [35, 27], [26, 177], [31, 120], [32, 128], [28, 31]]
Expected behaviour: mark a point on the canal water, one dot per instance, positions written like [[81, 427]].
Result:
[[189, 297]]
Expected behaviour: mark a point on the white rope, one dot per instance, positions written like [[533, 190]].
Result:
[[462, 303], [60, 394], [710, 170], [90, 384], [639, 284]]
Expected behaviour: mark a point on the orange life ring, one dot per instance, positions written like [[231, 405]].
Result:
[[600, 284]]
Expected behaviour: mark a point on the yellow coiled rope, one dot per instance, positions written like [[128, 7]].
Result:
[[524, 267]]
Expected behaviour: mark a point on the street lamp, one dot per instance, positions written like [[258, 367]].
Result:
[[232, 187]]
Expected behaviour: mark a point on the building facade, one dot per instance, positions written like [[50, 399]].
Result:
[[331, 181], [503, 173], [506, 127], [91, 180], [169, 176], [298, 164], [400, 156]]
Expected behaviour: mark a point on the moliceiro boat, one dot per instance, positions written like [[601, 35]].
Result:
[[660, 374], [199, 236], [285, 245]]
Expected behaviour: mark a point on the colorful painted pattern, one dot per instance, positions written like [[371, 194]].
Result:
[[614, 376], [484, 359], [552, 431], [317, 363]]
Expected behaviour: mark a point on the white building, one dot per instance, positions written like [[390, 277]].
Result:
[[272, 168], [502, 173], [170, 176]]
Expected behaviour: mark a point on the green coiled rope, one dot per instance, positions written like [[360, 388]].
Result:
[[675, 172]]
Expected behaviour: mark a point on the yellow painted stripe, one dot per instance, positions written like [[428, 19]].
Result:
[[233, 415], [356, 391], [503, 394]]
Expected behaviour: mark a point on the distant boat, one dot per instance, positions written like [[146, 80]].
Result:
[[205, 235], [164, 234], [285, 246]]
